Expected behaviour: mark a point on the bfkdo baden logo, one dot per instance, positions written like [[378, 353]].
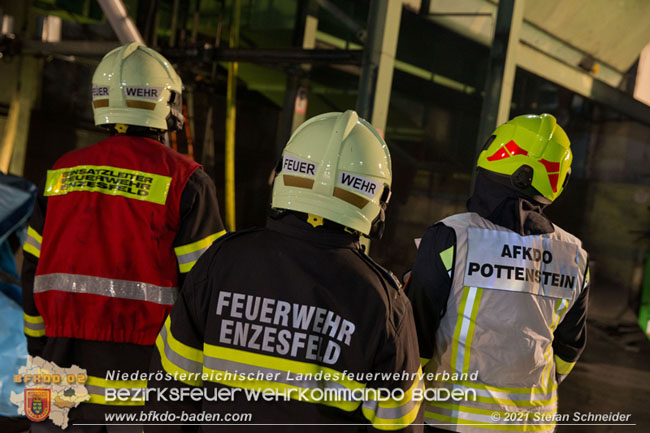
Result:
[[37, 404]]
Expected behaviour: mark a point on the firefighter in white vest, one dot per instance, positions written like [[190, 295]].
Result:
[[500, 293]]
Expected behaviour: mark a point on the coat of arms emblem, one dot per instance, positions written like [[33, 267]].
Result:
[[37, 404]]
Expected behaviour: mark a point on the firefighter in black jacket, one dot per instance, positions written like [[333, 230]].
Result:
[[500, 293], [297, 310]]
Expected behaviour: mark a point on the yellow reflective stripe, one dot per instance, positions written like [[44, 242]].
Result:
[[516, 403], [36, 320], [266, 361], [181, 348], [392, 423], [408, 394], [181, 374], [447, 257], [35, 333], [106, 383], [488, 425], [97, 385], [186, 267], [459, 325], [133, 184], [404, 411], [560, 306], [198, 245], [424, 361], [546, 373], [562, 367], [277, 388], [470, 332], [560, 309], [480, 411], [31, 249], [188, 255], [239, 369], [33, 326], [501, 389], [587, 278], [33, 233]]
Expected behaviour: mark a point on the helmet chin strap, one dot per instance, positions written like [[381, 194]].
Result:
[[175, 118]]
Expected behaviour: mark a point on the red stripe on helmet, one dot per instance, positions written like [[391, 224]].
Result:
[[510, 149], [553, 178], [551, 167]]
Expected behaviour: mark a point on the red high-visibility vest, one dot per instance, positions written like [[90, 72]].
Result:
[[107, 269]]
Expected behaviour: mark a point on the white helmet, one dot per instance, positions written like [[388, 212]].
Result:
[[336, 166], [135, 85]]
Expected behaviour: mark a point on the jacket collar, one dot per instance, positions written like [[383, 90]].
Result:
[[291, 225], [508, 208]]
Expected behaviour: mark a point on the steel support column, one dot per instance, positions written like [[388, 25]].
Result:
[[306, 23], [231, 114], [376, 79], [375, 82], [501, 68]]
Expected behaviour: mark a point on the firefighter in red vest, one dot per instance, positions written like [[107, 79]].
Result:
[[116, 228]]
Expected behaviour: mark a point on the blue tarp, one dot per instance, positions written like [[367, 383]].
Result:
[[17, 198]]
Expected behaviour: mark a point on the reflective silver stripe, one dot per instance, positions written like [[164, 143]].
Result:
[[122, 289], [176, 358], [191, 257], [504, 395], [279, 376], [467, 314], [33, 241], [460, 417], [392, 412], [34, 326]]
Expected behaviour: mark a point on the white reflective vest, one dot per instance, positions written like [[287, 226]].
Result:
[[494, 344]]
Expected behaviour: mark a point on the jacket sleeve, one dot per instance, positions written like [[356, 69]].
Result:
[[32, 320], [177, 360], [430, 283], [570, 337], [398, 356], [201, 222]]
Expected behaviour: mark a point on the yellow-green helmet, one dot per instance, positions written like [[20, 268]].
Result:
[[135, 85], [336, 166], [533, 151]]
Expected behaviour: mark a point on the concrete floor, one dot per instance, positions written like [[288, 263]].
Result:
[[613, 375]]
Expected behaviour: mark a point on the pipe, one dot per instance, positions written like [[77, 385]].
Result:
[[122, 25], [371, 52], [231, 113]]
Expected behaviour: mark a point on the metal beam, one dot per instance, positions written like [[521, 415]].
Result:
[[501, 68], [343, 18], [474, 20], [268, 56], [70, 48], [122, 25], [231, 112], [642, 85], [301, 94], [375, 81], [581, 83], [305, 23], [383, 86], [376, 78]]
